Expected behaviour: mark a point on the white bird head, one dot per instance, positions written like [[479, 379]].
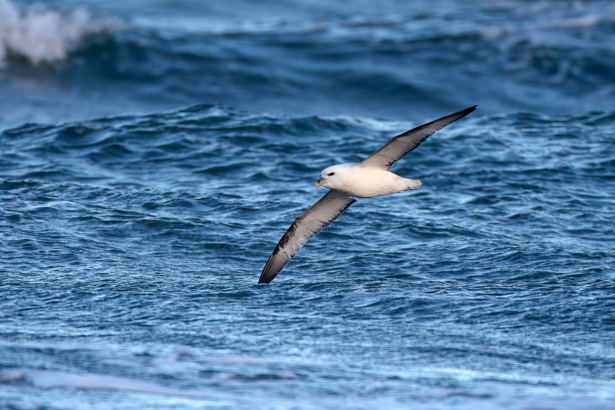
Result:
[[335, 176]]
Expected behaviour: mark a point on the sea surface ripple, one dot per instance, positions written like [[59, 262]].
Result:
[[152, 153], [132, 246]]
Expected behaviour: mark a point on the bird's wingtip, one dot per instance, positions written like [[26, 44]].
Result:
[[266, 277], [463, 113]]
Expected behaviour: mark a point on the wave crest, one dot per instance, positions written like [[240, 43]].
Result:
[[42, 35]]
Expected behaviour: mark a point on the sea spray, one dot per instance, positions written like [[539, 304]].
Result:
[[43, 35]]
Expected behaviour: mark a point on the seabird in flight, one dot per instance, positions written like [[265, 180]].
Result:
[[346, 182]]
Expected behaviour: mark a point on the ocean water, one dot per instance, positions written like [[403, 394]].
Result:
[[153, 153]]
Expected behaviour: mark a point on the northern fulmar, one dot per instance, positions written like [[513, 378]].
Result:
[[346, 182]]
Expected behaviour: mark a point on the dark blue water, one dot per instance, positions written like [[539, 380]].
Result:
[[153, 153]]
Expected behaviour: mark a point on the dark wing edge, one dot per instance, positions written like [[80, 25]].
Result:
[[308, 224], [407, 142]]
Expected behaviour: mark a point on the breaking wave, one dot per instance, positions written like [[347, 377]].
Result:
[[42, 35]]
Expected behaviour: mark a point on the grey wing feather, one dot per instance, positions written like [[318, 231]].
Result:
[[407, 142], [308, 224]]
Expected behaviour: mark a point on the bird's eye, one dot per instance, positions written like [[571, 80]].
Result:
[[331, 174]]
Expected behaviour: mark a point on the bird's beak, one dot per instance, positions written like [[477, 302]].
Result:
[[320, 182]]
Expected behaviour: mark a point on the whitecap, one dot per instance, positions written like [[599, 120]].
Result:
[[43, 35]]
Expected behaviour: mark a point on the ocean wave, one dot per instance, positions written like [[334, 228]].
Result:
[[42, 35], [125, 237], [172, 173], [545, 57], [195, 138], [189, 377]]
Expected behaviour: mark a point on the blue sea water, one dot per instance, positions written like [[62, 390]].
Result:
[[152, 153]]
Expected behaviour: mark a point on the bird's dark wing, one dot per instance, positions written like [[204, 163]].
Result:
[[308, 224], [405, 143]]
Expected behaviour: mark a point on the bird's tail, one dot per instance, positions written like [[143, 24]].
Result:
[[412, 184]]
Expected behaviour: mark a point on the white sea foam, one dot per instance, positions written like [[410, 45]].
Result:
[[44, 35]]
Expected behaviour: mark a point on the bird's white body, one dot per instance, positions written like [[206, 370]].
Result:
[[365, 182]]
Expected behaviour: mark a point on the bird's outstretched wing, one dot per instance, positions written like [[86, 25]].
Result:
[[407, 142], [308, 224]]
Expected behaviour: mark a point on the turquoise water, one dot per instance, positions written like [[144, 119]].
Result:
[[146, 176]]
